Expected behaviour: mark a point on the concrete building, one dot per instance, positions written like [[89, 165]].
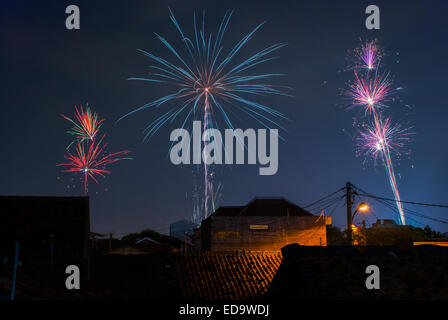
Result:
[[266, 224]]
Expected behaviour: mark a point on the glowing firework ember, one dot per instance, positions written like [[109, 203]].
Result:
[[90, 160], [206, 85], [86, 124]]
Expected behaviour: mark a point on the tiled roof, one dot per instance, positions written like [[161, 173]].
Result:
[[264, 207], [272, 207], [226, 275], [228, 211]]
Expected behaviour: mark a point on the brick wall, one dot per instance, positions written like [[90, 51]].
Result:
[[263, 232]]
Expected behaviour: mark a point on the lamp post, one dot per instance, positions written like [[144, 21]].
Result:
[[363, 207], [51, 249], [349, 199]]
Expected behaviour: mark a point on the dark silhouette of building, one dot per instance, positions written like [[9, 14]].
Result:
[[339, 272], [384, 223], [53, 230], [265, 224]]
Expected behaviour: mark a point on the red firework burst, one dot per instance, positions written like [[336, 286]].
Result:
[[91, 161]]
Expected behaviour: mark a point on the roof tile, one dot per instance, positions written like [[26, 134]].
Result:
[[226, 275]]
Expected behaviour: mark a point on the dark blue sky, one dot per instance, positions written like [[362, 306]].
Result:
[[46, 70]]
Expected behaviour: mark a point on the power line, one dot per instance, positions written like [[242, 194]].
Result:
[[325, 204], [392, 207], [406, 210], [327, 196], [337, 206], [409, 202]]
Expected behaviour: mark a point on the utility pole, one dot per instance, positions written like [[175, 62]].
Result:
[[364, 234], [110, 243], [348, 195], [51, 249], [14, 275]]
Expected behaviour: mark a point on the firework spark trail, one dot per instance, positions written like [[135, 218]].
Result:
[[372, 92], [86, 124], [389, 167], [204, 80], [208, 183], [90, 160], [384, 144]]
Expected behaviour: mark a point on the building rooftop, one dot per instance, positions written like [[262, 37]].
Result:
[[263, 207]]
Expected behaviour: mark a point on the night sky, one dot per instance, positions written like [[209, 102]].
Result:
[[46, 70]]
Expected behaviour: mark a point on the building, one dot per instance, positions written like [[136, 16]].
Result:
[[434, 243], [128, 250], [339, 273], [180, 228], [144, 245], [50, 230], [384, 223], [264, 224]]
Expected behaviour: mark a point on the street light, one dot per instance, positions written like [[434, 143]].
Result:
[[363, 207]]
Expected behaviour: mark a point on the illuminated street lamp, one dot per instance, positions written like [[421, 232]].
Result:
[[363, 207]]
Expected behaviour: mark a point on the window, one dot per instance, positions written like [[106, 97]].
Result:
[[259, 227]]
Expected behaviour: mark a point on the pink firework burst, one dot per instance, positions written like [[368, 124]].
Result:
[[370, 91], [383, 137], [91, 160], [369, 54]]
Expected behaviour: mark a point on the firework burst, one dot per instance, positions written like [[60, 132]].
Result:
[[205, 82], [206, 85], [370, 91], [369, 54], [86, 124], [381, 140], [91, 161], [383, 135]]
